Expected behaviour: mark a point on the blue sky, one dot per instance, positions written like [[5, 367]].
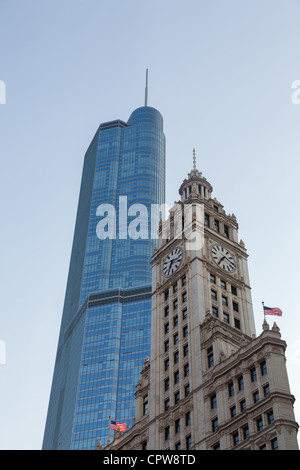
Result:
[[220, 72]]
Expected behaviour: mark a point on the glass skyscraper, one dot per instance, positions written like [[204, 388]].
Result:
[[105, 330]]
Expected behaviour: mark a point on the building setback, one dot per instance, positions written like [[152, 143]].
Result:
[[210, 383], [105, 328]]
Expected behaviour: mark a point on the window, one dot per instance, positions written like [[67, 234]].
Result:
[[266, 390], [224, 300], [167, 433], [233, 290], [212, 279], [215, 311], [263, 447], [259, 424], [217, 446], [184, 297], [213, 295], [235, 306], [217, 225], [176, 377], [176, 357], [226, 231], [175, 304], [186, 370], [167, 384], [176, 397], [145, 405], [167, 328], [235, 438], [177, 426], [188, 442], [231, 389], [175, 288], [237, 323], [216, 208], [167, 311], [210, 357], [206, 220], [167, 404], [188, 418], [167, 364], [255, 397], [270, 417], [214, 424], [166, 295], [240, 382], [246, 432], [175, 320], [176, 338], [167, 346], [263, 368], [186, 350], [225, 317], [243, 405], [233, 411], [213, 401], [144, 445], [274, 444], [178, 446], [187, 390], [185, 331], [184, 314], [253, 374], [223, 284], [183, 282]]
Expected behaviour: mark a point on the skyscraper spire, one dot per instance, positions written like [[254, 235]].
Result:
[[146, 89], [194, 160]]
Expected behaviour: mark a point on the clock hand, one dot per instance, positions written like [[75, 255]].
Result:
[[221, 260]]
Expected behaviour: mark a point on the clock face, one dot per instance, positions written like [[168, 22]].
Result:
[[223, 258], [172, 262]]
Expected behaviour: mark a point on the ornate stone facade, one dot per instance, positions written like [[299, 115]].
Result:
[[210, 382]]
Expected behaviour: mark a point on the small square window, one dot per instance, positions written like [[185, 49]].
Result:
[[213, 295], [266, 390], [213, 401], [215, 311], [233, 290], [263, 368], [253, 374], [176, 397], [243, 405], [224, 300], [215, 424], [225, 317]]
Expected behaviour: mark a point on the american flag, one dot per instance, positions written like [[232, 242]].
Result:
[[272, 311], [114, 425]]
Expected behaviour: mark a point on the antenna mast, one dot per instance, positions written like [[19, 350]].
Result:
[[146, 89]]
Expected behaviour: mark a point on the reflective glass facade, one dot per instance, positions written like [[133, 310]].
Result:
[[105, 330]]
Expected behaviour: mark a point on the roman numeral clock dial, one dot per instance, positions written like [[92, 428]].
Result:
[[223, 258], [172, 262]]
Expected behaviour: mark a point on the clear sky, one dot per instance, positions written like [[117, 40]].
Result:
[[221, 74]]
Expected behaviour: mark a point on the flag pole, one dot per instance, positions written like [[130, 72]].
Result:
[[109, 428], [263, 304]]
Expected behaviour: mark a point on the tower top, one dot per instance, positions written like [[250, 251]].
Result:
[[197, 180]]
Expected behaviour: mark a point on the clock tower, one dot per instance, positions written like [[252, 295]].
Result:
[[210, 382]]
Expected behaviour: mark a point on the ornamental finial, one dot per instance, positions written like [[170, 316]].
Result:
[[194, 159]]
